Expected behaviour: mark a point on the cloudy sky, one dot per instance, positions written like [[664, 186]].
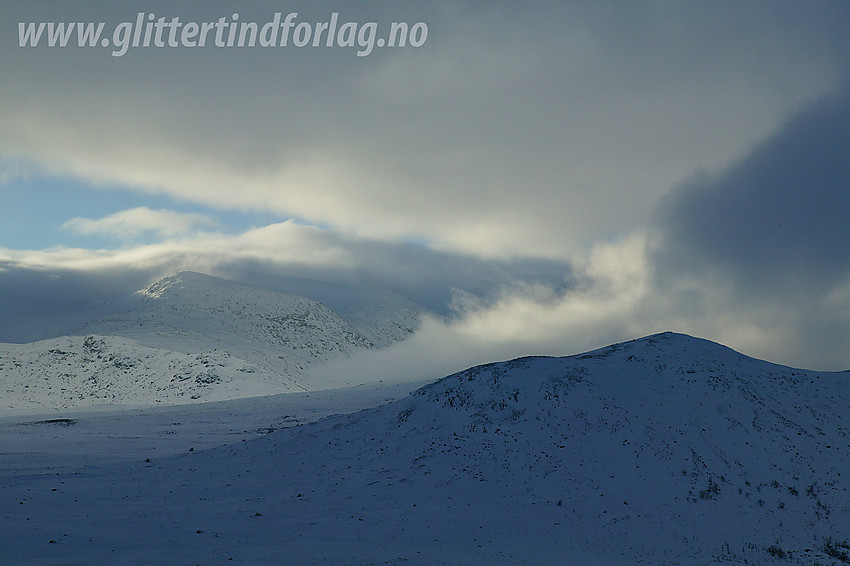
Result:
[[551, 177]]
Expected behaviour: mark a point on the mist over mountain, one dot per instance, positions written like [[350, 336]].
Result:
[[383, 315], [192, 337]]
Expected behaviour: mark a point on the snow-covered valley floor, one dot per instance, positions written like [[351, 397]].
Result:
[[89, 450]]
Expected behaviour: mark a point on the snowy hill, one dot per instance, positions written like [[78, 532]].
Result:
[[78, 371], [663, 450], [187, 337]]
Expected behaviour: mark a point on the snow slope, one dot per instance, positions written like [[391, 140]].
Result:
[[188, 337], [78, 371], [381, 316], [663, 450]]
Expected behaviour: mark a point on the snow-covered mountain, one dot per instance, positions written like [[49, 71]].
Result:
[[380, 315], [189, 337], [192, 302], [663, 450]]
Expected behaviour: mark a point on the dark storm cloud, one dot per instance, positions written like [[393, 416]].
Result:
[[779, 219], [758, 255]]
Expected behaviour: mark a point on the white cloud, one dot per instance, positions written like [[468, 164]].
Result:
[[615, 299], [140, 221], [526, 319]]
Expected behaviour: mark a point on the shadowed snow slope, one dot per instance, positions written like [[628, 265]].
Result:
[[664, 450], [187, 337]]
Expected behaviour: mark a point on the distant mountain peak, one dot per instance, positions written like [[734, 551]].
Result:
[[181, 279], [158, 288]]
